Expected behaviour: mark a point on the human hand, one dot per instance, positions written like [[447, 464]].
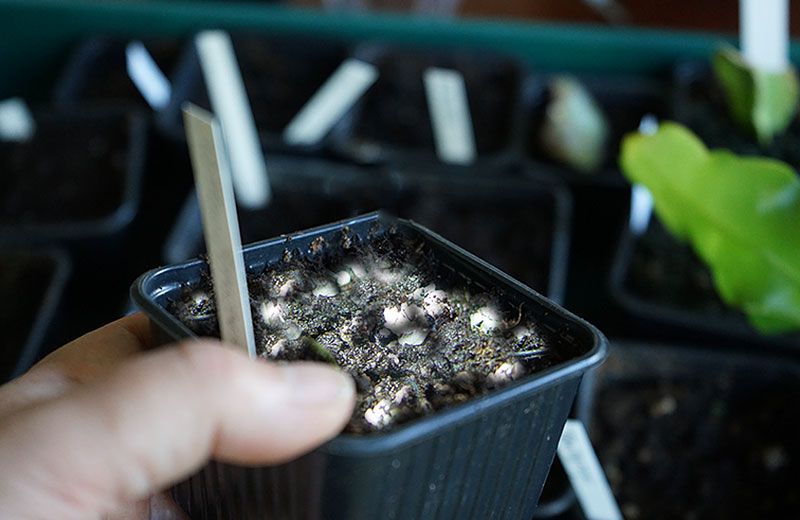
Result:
[[97, 427]]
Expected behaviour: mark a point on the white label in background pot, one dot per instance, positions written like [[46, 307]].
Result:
[[764, 33], [585, 474], [330, 103], [147, 76], [16, 121], [450, 118], [232, 109]]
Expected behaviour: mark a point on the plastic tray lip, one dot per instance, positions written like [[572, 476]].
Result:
[[415, 431], [130, 198], [668, 314]]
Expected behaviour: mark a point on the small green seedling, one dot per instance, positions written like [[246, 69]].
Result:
[[741, 215], [761, 102], [317, 350]]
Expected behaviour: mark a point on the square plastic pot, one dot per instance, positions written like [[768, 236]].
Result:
[[77, 182], [521, 226], [699, 103], [391, 123], [667, 293], [32, 284], [96, 72], [485, 458], [694, 432], [281, 72]]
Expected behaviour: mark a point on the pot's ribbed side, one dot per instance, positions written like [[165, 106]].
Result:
[[490, 466]]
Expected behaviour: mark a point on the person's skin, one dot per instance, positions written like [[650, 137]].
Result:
[[98, 428]]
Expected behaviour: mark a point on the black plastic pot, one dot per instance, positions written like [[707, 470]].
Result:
[[391, 122], [486, 458], [96, 73], [77, 182], [668, 294], [699, 103], [623, 100], [694, 432], [32, 284], [280, 74]]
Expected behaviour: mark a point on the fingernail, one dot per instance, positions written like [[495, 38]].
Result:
[[315, 383]]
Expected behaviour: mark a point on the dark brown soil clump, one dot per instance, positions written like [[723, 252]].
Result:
[[415, 335]]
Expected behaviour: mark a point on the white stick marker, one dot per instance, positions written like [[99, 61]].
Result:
[[764, 33], [16, 122], [641, 198], [231, 107], [220, 227], [332, 101], [450, 118], [147, 76], [585, 474]]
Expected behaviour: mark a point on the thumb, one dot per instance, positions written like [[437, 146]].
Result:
[[156, 420]]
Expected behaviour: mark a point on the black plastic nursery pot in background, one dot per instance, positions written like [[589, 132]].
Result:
[[699, 102], [484, 458], [281, 72], [392, 123], [77, 182], [694, 432], [32, 284], [623, 101], [667, 292], [98, 71], [521, 226]]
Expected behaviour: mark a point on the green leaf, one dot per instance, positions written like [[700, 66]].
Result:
[[761, 102], [316, 350], [741, 215]]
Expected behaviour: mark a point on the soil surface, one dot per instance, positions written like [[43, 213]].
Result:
[[72, 170], [706, 441], [414, 334], [394, 111]]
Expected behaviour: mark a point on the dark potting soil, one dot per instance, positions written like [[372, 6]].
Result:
[[71, 170], [415, 335], [716, 444], [700, 104], [24, 279], [395, 110], [667, 271]]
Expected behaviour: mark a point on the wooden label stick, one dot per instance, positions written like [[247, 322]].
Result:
[[764, 34], [231, 106], [220, 228]]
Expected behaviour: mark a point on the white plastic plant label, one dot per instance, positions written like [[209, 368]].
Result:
[[330, 103], [577, 455], [16, 122], [449, 111], [232, 110], [764, 33], [147, 76]]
